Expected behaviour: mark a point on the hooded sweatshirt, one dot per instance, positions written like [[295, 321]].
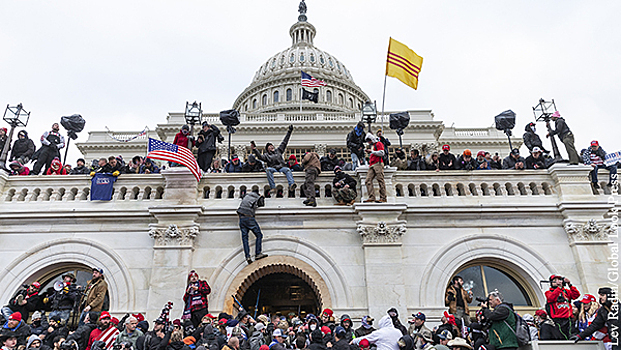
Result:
[[386, 337], [56, 168], [22, 170], [23, 147]]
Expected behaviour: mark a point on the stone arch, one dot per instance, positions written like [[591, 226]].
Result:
[[289, 251], [510, 253], [52, 255]]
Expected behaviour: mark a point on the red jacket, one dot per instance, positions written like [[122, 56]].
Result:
[[373, 159], [181, 140], [203, 291], [561, 309]]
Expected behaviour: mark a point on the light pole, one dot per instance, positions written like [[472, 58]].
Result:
[[193, 114], [369, 113], [14, 116], [542, 112]]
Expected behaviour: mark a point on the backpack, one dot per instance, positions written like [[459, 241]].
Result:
[[522, 331]]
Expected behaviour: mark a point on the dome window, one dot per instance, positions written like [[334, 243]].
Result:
[[322, 60], [329, 96], [289, 94], [340, 99], [331, 63], [254, 103], [276, 96], [301, 56], [282, 60], [274, 63], [351, 103], [292, 58], [338, 66], [264, 100], [246, 107], [312, 58]]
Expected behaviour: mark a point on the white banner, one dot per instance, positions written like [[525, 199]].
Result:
[[613, 158]]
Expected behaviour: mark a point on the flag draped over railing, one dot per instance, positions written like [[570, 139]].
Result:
[[403, 63], [173, 153]]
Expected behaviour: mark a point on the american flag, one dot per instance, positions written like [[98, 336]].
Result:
[[173, 153], [309, 81]]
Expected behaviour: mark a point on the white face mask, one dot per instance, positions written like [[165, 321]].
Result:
[[533, 127], [313, 327]]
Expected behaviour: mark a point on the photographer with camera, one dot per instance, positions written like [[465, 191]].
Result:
[[129, 335], [558, 305], [457, 299], [501, 322]]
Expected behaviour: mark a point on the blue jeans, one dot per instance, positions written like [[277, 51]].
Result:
[[63, 314], [270, 176], [248, 223], [612, 169], [355, 160]]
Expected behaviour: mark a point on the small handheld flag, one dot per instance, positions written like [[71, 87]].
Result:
[[173, 153], [309, 81], [403, 63]]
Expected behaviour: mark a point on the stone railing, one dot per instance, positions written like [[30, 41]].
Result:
[[402, 186], [72, 188], [104, 136]]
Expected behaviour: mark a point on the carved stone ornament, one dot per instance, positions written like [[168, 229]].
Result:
[[590, 231], [320, 149], [173, 235], [381, 233]]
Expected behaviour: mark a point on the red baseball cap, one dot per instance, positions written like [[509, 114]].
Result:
[[104, 314], [36, 285], [541, 313], [364, 343], [594, 143], [446, 147], [481, 153], [588, 298], [328, 312]]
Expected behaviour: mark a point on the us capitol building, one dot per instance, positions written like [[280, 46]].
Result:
[[505, 230]]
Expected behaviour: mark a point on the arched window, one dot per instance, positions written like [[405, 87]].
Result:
[[276, 96], [246, 107], [289, 94], [329, 96], [351, 103], [483, 278], [264, 100], [254, 103], [340, 99]]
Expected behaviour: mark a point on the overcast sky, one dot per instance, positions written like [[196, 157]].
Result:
[[126, 64]]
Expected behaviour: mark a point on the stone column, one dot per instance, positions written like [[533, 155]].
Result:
[[174, 229], [591, 232], [381, 232]]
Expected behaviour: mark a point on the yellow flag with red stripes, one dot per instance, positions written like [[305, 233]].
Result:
[[403, 63]]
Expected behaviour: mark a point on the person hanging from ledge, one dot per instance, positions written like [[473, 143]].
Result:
[[275, 162], [247, 222], [376, 169]]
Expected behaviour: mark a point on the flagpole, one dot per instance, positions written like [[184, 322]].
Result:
[[301, 90], [383, 99]]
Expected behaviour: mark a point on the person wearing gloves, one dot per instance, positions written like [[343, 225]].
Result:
[[385, 338], [51, 144]]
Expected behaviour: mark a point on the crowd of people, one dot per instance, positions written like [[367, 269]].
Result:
[[567, 316]]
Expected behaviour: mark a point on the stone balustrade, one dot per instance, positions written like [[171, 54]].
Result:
[[402, 186], [72, 188]]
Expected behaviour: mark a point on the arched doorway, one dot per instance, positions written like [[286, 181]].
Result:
[[279, 288]]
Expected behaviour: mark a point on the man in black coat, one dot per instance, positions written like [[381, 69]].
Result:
[[51, 143], [531, 139], [355, 144], [23, 148], [566, 136], [447, 159], [252, 165], [63, 300], [24, 301], [330, 161], [82, 334], [514, 160], [416, 162], [275, 162], [156, 339], [206, 142], [55, 329], [344, 187], [81, 168], [535, 160]]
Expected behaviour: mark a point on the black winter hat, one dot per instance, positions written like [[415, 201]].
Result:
[[268, 144]]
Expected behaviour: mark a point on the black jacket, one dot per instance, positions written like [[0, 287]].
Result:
[[275, 159], [561, 130], [250, 168], [61, 331], [509, 162], [445, 160], [80, 170], [531, 139], [82, 334], [21, 332], [328, 164], [550, 331], [531, 162], [602, 320], [64, 298], [150, 341], [23, 148], [417, 164], [463, 164], [355, 143], [207, 142], [341, 179]]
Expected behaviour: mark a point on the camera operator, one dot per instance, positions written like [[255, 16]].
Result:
[[156, 339], [558, 304], [129, 335], [457, 299], [501, 322]]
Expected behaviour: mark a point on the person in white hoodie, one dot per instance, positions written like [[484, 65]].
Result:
[[385, 338]]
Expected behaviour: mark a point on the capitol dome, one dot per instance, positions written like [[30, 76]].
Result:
[[276, 85]]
